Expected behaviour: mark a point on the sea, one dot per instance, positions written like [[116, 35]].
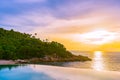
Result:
[[108, 61]]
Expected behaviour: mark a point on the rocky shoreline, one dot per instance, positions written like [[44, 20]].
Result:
[[46, 59], [52, 59]]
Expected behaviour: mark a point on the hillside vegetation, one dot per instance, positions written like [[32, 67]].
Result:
[[15, 45]]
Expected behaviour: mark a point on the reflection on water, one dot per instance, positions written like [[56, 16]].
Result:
[[98, 61], [10, 67], [21, 72]]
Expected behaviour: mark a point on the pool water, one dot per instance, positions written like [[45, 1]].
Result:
[[21, 72]]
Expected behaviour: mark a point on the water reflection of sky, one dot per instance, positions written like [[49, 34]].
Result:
[[98, 63], [22, 73]]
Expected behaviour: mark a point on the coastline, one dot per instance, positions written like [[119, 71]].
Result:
[[46, 59], [52, 59]]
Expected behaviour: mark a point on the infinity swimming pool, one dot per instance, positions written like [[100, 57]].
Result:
[[45, 72], [21, 72]]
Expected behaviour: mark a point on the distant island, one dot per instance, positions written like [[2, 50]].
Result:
[[16, 45]]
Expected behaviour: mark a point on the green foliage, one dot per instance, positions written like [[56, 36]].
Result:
[[16, 45]]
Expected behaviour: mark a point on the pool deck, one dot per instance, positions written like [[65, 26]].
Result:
[[6, 62], [64, 73]]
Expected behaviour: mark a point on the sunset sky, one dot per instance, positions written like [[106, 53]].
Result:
[[83, 25]]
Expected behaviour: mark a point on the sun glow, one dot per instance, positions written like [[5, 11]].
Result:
[[98, 61], [97, 37]]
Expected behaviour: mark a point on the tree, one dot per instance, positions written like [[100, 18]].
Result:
[[16, 45]]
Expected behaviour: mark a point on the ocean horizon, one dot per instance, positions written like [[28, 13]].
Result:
[[108, 61]]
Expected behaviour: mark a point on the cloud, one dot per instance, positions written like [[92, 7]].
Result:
[[29, 1], [63, 20], [48, 24], [97, 37]]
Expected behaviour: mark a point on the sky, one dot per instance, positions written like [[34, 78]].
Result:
[[84, 25]]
